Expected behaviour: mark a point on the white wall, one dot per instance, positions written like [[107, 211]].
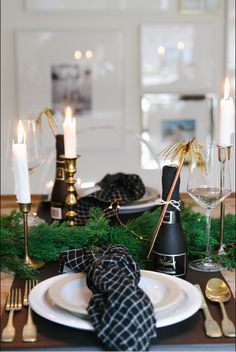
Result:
[[15, 17]]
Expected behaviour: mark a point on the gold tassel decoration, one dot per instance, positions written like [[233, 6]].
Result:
[[50, 117], [194, 149]]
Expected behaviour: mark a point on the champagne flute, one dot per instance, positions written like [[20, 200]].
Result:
[[208, 190], [35, 156]]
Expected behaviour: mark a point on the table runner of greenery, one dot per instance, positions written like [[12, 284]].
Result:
[[46, 242]]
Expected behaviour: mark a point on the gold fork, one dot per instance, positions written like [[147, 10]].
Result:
[[14, 303], [29, 330]]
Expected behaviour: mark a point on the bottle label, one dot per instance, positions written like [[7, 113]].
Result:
[[56, 213], [60, 174], [171, 217], [170, 263]]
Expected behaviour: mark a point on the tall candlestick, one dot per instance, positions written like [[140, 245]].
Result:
[[226, 116], [20, 168], [71, 199], [69, 127]]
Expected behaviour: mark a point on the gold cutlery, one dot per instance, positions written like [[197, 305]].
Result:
[[218, 291], [14, 303], [211, 326], [29, 330]]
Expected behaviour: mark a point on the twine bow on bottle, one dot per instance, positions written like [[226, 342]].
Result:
[[175, 203]]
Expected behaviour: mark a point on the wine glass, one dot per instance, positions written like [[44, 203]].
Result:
[[35, 155], [208, 189]]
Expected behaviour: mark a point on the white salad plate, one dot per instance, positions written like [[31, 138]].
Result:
[[186, 306], [71, 292]]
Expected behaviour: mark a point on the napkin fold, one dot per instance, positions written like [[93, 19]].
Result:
[[116, 189], [119, 310]]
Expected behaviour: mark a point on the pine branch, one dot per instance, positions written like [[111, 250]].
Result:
[[46, 242]]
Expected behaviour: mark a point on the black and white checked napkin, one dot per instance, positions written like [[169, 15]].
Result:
[[115, 189], [119, 310]]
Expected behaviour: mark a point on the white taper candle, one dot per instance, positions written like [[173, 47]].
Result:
[[226, 116], [69, 127], [20, 168]]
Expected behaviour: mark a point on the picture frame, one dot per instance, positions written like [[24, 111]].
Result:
[[190, 7], [174, 118], [44, 54], [99, 5], [176, 56]]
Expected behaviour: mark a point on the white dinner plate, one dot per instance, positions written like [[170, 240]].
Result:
[[43, 306], [136, 208], [148, 201], [151, 194], [71, 292]]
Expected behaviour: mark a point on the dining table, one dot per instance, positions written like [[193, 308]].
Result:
[[185, 335]]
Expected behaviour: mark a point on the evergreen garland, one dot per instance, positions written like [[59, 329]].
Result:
[[46, 242]]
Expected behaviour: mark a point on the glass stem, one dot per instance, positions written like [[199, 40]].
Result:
[[208, 232], [222, 204]]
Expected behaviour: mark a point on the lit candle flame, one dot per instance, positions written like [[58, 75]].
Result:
[[226, 88], [69, 120], [21, 133], [68, 112]]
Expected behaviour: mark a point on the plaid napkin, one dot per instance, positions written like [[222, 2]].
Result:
[[115, 189], [120, 312]]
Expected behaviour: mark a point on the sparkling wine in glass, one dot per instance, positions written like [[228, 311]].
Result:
[[208, 189]]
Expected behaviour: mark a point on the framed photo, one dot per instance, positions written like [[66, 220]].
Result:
[[168, 119], [72, 84], [199, 6], [80, 69], [178, 57]]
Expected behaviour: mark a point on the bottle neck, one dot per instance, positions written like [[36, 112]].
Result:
[[59, 146], [60, 162], [168, 175]]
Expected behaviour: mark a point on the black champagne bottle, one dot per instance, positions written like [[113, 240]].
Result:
[[169, 253], [59, 190]]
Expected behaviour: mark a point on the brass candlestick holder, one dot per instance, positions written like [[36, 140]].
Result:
[[223, 156], [71, 199], [36, 264]]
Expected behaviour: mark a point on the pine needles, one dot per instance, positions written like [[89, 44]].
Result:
[[46, 242]]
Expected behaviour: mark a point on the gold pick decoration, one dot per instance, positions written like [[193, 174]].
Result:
[[50, 117], [194, 149]]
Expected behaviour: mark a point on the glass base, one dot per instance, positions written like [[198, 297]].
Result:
[[202, 265], [34, 220]]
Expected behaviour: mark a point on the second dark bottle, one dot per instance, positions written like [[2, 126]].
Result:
[[59, 190]]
